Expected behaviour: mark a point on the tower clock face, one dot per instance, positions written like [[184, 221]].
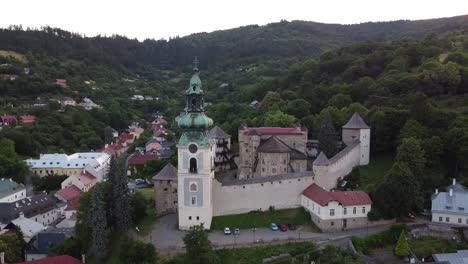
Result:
[[193, 148]]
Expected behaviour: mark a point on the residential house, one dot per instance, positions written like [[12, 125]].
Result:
[[68, 193], [460, 257], [164, 153], [451, 206], [88, 104], [27, 119], [42, 243], [336, 210], [11, 191], [67, 101], [61, 82], [152, 146], [62, 164], [138, 160], [42, 208], [55, 260], [28, 227], [38, 102], [254, 104], [8, 120], [83, 181], [136, 132], [137, 97]]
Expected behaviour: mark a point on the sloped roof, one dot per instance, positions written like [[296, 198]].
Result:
[[69, 193], [45, 241], [29, 227], [275, 130], [273, 145], [86, 178], [217, 132], [54, 260], [460, 257], [356, 122], [169, 172], [297, 155], [8, 186], [456, 203], [31, 206], [321, 160], [345, 198], [140, 159], [73, 204]]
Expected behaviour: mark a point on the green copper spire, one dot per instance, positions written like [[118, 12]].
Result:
[[194, 121]]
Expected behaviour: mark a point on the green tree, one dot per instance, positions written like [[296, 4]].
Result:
[[270, 102], [98, 221], [340, 100], [414, 129], [412, 154], [404, 189], [198, 247], [11, 166], [279, 119], [328, 137], [138, 252], [402, 247], [119, 202]]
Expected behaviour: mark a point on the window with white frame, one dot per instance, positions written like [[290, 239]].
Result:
[[345, 211], [354, 210], [363, 210], [332, 212], [194, 200]]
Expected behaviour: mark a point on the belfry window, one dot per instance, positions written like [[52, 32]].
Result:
[[193, 165], [193, 187], [194, 103]]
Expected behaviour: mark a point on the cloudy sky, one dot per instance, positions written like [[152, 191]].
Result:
[[167, 18]]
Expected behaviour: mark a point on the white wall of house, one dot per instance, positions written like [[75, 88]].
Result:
[[447, 218], [20, 194], [334, 210], [49, 217]]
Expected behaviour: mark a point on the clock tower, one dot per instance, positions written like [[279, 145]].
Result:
[[196, 152]]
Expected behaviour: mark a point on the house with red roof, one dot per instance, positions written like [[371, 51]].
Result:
[[138, 161], [27, 119], [336, 210], [83, 181], [61, 82], [68, 193], [8, 120]]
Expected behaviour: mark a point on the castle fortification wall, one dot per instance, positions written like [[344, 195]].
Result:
[[340, 165], [279, 191]]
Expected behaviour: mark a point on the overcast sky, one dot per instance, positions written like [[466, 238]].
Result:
[[167, 18]]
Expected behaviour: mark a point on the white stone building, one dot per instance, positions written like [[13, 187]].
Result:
[[11, 191], [451, 207], [334, 211]]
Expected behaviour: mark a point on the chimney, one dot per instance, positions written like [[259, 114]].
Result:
[[454, 181], [437, 191], [83, 258], [451, 192]]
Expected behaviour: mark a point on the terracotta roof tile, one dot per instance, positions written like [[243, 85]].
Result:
[[54, 260], [345, 198], [140, 159], [69, 193]]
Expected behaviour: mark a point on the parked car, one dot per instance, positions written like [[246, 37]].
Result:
[[283, 227], [227, 231], [236, 231], [274, 227], [292, 226]]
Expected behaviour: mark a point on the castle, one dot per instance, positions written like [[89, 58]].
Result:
[[272, 166]]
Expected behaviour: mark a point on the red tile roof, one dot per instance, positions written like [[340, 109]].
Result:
[[27, 119], [86, 178], [69, 193], [140, 159], [8, 118], [345, 198], [274, 130], [72, 205], [125, 136], [54, 260]]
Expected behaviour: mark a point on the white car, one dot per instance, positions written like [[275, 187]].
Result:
[[227, 231]]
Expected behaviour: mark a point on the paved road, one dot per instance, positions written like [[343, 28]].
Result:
[[165, 235]]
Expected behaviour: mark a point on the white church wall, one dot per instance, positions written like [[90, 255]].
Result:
[[238, 199]]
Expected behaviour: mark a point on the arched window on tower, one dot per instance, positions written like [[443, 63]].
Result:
[[193, 165], [194, 103]]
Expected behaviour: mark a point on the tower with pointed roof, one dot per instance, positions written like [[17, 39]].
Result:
[[357, 130], [196, 151]]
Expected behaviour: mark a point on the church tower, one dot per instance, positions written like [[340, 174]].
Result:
[[196, 152]]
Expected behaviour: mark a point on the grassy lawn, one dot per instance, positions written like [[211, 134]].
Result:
[[296, 216], [256, 254], [14, 54], [145, 225], [373, 174], [426, 246]]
